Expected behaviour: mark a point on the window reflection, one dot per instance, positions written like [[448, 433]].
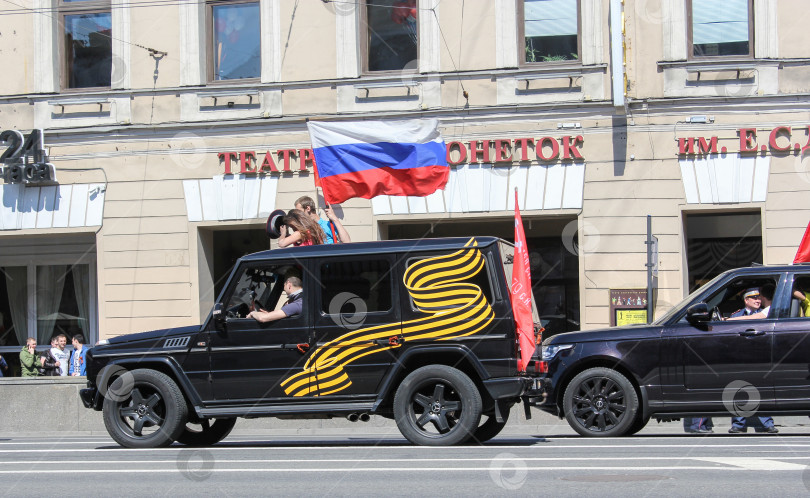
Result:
[[720, 28], [392, 34], [88, 49], [236, 41], [551, 30]]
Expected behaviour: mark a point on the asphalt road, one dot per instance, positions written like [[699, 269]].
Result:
[[347, 465]]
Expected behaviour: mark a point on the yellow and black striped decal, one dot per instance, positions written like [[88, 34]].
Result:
[[437, 285]]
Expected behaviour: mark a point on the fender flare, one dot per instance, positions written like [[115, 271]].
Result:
[[397, 367], [176, 373]]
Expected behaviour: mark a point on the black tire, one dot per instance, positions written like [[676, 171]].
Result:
[[489, 429], [437, 405], [206, 432], [600, 402], [144, 409], [638, 424]]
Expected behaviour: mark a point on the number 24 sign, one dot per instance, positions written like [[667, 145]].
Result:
[[25, 159]]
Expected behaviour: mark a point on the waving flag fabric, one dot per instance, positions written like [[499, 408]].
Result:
[[803, 254], [371, 158], [522, 293]]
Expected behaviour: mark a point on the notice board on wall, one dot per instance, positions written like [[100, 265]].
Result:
[[628, 306]]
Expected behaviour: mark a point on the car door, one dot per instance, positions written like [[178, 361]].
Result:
[[357, 327], [249, 359], [791, 348], [718, 365]]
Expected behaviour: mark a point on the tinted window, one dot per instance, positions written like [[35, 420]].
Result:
[[356, 286]]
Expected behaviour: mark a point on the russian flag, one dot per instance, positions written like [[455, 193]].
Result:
[[371, 158]]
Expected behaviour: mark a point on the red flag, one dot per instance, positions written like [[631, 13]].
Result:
[[803, 254], [522, 293]]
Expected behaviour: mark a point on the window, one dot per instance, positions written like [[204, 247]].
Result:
[[234, 34], [550, 30], [391, 44], [260, 287], [42, 301], [720, 28], [730, 299], [355, 287], [87, 49]]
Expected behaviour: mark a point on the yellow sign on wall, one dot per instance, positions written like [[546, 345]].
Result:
[[630, 317]]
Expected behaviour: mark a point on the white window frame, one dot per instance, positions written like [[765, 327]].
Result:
[[48, 37]]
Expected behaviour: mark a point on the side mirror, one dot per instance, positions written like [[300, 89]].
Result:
[[218, 315], [698, 313]]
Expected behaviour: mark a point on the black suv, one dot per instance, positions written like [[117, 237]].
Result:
[[693, 361], [416, 330]]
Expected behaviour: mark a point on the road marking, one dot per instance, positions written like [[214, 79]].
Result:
[[364, 470], [347, 446], [748, 463], [343, 446], [754, 463]]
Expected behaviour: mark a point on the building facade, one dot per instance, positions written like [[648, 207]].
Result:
[[174, 128]]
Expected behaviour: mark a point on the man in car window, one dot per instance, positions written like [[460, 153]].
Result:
[[763, 300], [294, 289], [752, 300]]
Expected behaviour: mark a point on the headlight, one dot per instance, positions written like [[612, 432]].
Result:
[[551, 351]]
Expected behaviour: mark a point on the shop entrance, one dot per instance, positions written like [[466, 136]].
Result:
[[555, 270], [719, 242]]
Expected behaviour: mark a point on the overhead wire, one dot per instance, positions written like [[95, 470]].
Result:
[[151, 51]]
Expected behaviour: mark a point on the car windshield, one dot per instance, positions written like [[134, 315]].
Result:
[[678, 308]]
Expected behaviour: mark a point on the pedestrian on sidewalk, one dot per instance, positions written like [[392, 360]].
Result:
[[30, 360]]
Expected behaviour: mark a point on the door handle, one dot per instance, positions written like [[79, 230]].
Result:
[[752, 333]]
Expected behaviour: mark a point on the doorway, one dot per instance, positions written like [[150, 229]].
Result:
[[719, 242], [218, 250]]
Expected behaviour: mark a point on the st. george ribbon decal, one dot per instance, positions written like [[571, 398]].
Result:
[[455, 308]]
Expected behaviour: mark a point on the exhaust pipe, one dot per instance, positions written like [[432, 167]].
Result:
[[365, 417], [352, 417]]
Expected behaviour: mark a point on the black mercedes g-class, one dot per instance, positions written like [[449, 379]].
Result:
[[420, 331]]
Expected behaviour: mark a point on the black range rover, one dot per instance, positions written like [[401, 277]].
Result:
[[420, 331], [692, 361]]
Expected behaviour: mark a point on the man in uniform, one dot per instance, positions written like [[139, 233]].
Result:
[[757, 306]]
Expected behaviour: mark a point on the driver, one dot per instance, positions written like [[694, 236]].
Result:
[[294, 289], [753, 300], [763, 301]]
